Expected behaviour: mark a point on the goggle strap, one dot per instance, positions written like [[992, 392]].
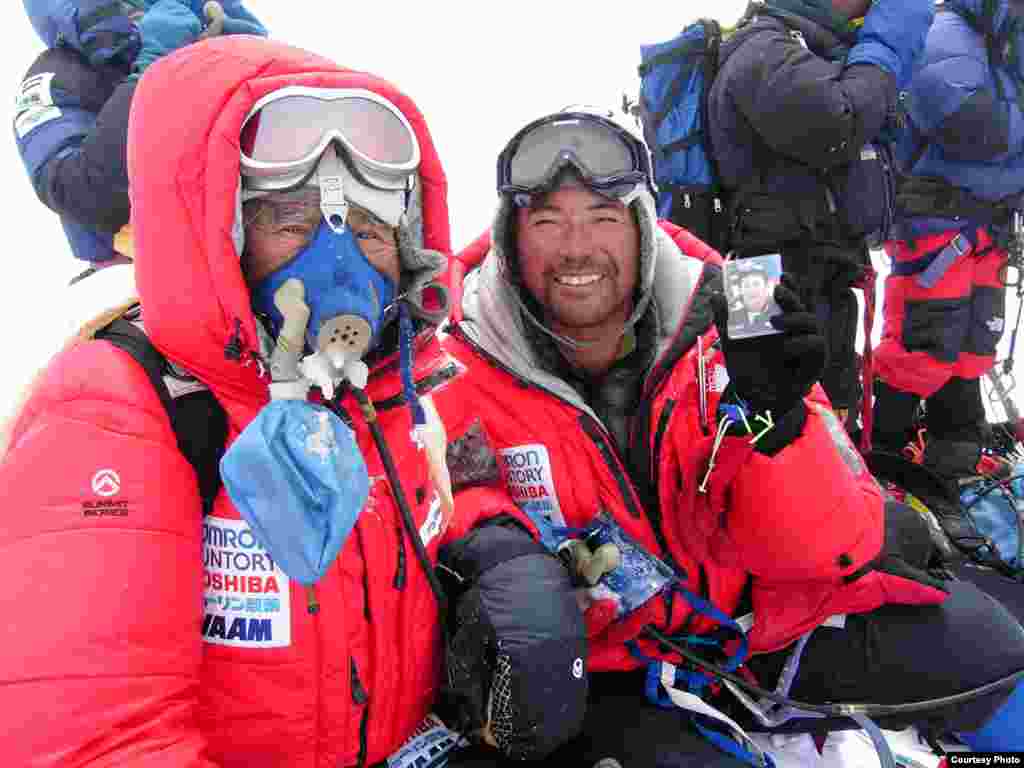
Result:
[[333, 204]]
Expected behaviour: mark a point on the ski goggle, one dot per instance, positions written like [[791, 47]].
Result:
[[287, 131], [607, 157]]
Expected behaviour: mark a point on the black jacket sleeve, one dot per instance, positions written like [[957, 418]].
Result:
[[78, 159], [90, 182], [804, 106]]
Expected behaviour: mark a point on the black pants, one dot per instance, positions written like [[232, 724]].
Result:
[[892, 655], [900, 653]]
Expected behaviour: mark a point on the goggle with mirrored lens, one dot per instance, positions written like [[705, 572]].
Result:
[[287, 131], [607, 157]]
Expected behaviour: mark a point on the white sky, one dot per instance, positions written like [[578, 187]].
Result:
[[478, 72]]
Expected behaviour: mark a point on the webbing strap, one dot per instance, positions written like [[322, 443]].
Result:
[[742, 747], [867, 370], [933, 265]]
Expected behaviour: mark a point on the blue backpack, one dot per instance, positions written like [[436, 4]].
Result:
[[994, 509], [675, 77]]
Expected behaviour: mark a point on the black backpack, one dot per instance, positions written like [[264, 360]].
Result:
[[198, 420]]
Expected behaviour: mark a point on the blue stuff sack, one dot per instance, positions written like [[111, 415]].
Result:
[[299, 480], [994, 508]]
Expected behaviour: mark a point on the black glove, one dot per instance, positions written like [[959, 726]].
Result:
[[774, 372], [515, 643], [908, 550]]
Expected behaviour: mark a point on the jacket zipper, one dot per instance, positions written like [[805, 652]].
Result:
[[591, 427], [593, 431], [361, 699], [399, 580], [659, 434]]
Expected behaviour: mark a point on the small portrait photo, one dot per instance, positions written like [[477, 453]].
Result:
[[750, 289]]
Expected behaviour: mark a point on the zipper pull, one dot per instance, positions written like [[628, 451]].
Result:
[[359, 694], [312, 603]]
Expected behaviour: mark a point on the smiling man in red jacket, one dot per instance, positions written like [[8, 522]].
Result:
[[594, 337]]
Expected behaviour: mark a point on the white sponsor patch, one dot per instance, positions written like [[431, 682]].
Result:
[[527, 473], [33, 118], [427, 746], [720, 379], [34, 92], [434, 525], [245, 594], [34, 104]]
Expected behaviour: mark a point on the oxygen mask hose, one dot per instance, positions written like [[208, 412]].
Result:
[[835, 710], [370, 415]]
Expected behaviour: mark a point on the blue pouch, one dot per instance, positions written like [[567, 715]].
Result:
[[639, 576], [299, 481], [994, 509]]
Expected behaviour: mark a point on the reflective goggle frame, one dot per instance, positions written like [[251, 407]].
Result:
[[306, 120], [608, 158]]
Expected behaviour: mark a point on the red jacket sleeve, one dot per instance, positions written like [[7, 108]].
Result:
[[102, 572], [811, 512]]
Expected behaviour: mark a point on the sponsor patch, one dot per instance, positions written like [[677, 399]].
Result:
[[434, 525], [719, 379], [34, 104], [246, 597], [527, 473]]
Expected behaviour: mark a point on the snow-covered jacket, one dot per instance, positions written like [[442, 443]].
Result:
[[965, 106], [796, 526], [139, 632], [71, 121]]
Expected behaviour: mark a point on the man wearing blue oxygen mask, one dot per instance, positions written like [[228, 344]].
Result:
[[292, 282]]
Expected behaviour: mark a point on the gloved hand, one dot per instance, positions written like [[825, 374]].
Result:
[[105, 34], [908, 548], [167, 26], [774, 372], [237, 18], [893, 36], [586, 567]]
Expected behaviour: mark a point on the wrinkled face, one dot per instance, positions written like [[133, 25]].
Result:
[[579, 255], [280, 225], [754, 289]]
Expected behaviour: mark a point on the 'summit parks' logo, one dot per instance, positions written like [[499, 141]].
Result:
[[106, 482]]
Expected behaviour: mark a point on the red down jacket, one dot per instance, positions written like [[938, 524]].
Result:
[[118, 647], [794, 524]]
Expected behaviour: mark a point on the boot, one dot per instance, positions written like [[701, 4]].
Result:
[[957, 431], [895, 413]]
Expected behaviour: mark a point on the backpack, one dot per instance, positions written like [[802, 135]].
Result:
[[197, 418], [977, 523], [675, 77]]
